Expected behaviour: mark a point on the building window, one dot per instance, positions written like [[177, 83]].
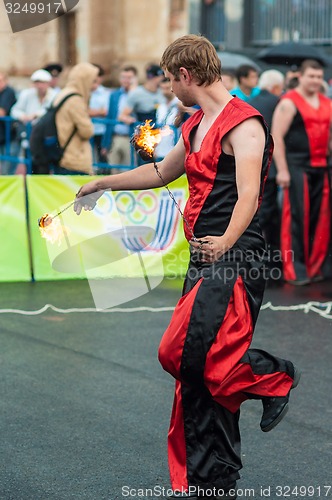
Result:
[[213, 21], [207, 17], [281, 20], [195, 16]]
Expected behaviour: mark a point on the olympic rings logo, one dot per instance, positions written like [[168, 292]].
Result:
[[136, 208]]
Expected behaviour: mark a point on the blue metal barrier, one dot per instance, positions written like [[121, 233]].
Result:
[[14, 145], [110, 122], [16, 148]]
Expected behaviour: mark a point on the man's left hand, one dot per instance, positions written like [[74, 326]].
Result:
[[210, 248]]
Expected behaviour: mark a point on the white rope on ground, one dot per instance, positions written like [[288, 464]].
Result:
[[85, 310], [323, 309]]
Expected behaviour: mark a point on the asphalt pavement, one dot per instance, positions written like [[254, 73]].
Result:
[[85, 405]]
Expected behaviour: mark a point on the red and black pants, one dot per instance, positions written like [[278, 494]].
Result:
[[305, 226], [206, 349]]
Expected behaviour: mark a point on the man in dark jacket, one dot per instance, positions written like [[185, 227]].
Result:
[[7, 100], [271, 84]]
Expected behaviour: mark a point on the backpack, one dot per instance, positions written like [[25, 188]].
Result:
[[44, 142]]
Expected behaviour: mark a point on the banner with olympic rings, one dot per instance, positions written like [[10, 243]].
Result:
[[14, 248], [128, 234]]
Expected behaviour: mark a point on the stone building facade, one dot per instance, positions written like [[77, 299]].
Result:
[[107, 32]]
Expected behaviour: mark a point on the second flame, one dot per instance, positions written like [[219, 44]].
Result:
[[147, 137]]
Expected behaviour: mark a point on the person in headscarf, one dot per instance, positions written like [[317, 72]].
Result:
[[74, 115]]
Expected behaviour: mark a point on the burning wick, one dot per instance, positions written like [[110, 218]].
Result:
[[146, 138], [50, 227], [44, 221]]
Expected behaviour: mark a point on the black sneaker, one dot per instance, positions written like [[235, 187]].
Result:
[[274, 409], [303, 282]]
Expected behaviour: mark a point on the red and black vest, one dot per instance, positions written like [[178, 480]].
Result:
[[211, 173], [307, 138]]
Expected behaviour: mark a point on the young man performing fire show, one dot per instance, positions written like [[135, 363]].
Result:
[[225, 150]]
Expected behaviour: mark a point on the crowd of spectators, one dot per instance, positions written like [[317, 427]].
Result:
[[109, 116], [100, 120]]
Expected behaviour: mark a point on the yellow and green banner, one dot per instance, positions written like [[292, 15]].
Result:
[[14, 246], [128, 234]]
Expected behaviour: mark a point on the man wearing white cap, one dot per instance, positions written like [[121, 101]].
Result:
[[32, 103]]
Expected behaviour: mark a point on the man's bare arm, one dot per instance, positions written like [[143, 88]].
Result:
[[143, 177], [247, 141], [281, 122]]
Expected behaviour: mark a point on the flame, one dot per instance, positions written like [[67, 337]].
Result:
[[45, 221], [147, 137], [51, 229]]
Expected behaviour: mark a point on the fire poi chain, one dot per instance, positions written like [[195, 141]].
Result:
[[144, 140]]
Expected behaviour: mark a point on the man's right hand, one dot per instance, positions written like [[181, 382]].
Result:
[[87, 197], [283, 179]]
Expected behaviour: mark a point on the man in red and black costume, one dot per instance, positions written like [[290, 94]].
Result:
[[225, 150], [301, 130]]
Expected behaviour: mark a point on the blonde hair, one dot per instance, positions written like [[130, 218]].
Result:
[[195, 53]]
